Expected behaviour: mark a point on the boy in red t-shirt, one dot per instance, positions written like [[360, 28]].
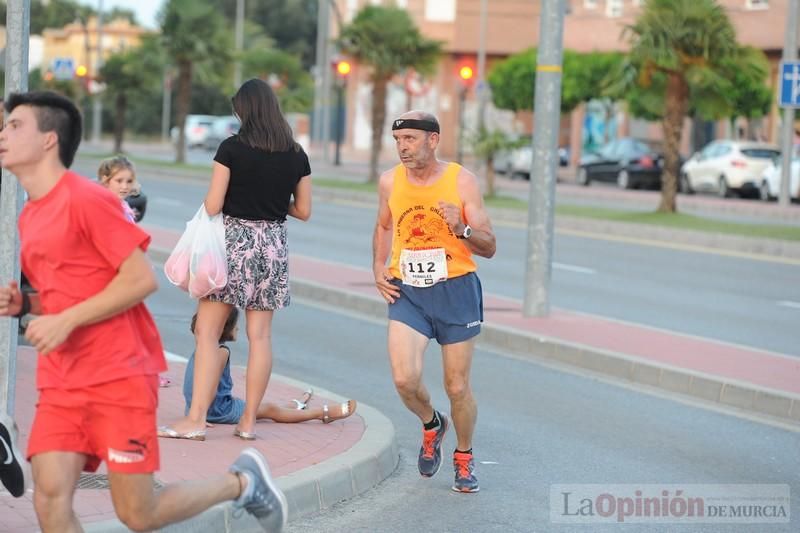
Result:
[[99, 349]]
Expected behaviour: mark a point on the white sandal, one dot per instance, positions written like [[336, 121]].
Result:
[[346, 410]]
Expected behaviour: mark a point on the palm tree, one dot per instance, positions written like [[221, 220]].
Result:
[[386, 40], [192, 32], [127, 73], [683, 43]]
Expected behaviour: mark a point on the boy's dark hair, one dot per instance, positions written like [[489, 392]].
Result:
[[227, 330], [54, 112]]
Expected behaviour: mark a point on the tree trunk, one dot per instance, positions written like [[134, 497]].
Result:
[[378, 120], [490, 176], [120, 107], [677, 104], [184, 101]]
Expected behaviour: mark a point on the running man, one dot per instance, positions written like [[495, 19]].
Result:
[[431, 220], [99, 351]]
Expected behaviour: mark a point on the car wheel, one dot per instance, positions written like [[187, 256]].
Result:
[[763, 192], [583, 177], [685, 186], [724, 191], [624, 179]]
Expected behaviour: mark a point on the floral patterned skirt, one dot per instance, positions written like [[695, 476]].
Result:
[[258, 265]]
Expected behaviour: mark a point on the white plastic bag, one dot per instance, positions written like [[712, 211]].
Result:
[[198, 262]]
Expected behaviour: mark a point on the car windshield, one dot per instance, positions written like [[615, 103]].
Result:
[[760, 153]]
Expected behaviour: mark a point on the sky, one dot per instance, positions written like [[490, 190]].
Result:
[[145, 10]]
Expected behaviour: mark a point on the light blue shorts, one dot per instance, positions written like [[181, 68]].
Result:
[[450, 311]]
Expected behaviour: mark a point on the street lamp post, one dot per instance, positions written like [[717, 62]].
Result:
[[343, 69], [239, 43], [465, 74]]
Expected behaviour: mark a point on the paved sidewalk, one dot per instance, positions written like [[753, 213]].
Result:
[[315, 464], [729, 376]]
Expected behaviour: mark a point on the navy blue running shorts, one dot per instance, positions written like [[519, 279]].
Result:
[[450, 311]]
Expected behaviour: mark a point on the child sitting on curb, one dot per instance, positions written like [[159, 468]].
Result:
[[227, 409]]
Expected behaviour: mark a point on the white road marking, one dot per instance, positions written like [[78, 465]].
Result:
[[573, 268], [489, 463], [175, 358], [789, 303]]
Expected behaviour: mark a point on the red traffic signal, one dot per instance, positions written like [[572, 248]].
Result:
[[466, 73]]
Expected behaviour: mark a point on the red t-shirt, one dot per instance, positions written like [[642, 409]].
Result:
[[73, 241]]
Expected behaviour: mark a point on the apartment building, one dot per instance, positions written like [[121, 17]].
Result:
[[513, 26], [78, 42]]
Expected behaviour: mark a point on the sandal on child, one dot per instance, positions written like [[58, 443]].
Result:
[[169, 433], [164, 381], [300, 405], [346, 408], [244, 435]]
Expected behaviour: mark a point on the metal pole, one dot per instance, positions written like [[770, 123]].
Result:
[[237, 69], [97, 98], [321, 68], [339, 122], [462, 101], [166, 104], [547, 107], [18, 18], [787, 127], [483, 88]]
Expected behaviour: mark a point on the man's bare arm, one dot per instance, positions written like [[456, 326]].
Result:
[[382, 240], [482, 242]]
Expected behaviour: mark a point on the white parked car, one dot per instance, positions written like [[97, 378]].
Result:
[[770, 186], [727, 166], [196, 130]]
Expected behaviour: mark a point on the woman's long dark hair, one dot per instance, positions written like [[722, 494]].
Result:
[[263, 124]]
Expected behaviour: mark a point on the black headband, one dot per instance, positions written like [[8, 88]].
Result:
[[415, 124]]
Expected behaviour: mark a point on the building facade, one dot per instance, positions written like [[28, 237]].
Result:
[[513, 26], [77, 43]]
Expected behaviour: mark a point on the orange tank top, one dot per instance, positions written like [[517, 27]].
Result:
[[418, 224]]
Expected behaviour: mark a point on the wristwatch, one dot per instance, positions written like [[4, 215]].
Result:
[[467, 232]]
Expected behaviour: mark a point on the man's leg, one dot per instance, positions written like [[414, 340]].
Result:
[[140, 508], [248, 482], [406, 349], [457, 361], [55, 475]]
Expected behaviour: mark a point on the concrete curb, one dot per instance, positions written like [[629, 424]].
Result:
[[779, 406], [310, 490]]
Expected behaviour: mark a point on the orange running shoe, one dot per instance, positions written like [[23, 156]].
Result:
[[465, 473], [430, 454]]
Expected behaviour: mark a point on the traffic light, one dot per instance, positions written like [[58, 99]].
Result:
[[81, 71], [466, 74]]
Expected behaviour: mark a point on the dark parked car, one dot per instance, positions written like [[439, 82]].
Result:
[[629, 162]]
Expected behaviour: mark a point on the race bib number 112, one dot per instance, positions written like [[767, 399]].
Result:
[[423, 268]]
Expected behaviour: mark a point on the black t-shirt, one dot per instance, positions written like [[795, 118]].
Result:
[[261, 183]]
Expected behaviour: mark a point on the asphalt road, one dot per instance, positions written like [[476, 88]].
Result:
[[537, 427], [738, 300]]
